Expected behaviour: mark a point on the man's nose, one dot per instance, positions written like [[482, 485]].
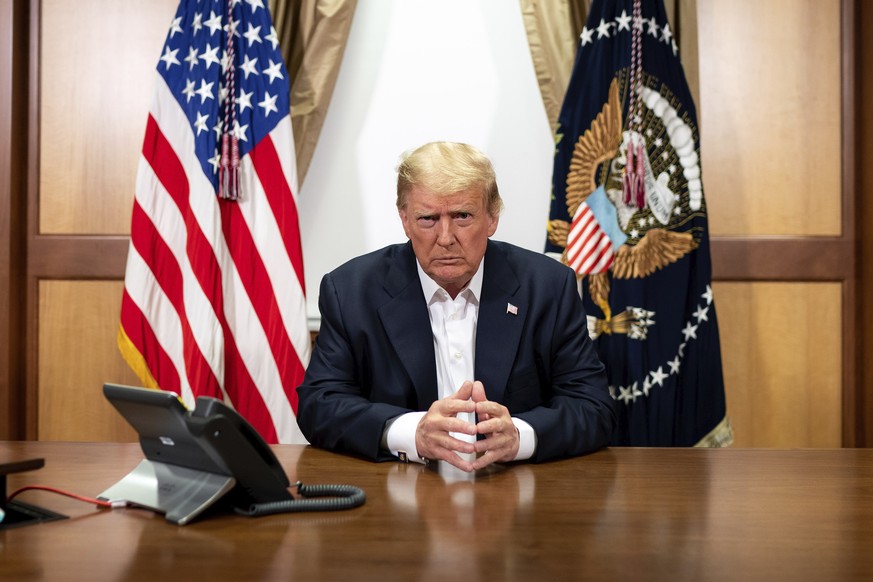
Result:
[[446, 232]]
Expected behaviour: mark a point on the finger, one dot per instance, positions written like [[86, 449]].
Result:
[[499, 454], [443, 447], [478, 392], [447, 424], [464, 392], [492, 410], [495, 426], [484, 460], [479, 398], [497, 434], [451, 407], [433, 431], [460, 463], [501, 444]]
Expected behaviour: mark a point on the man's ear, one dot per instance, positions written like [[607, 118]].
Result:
[[492, 227]]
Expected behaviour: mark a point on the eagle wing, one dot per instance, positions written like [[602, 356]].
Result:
[[598, 144], [657, 249]]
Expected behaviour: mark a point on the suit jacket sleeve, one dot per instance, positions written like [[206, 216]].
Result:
[[373, 357], [577, 414], [336, 410]]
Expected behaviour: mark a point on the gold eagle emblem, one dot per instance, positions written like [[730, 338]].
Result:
[[595, 150]]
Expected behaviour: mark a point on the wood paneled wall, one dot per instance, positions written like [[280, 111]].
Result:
[[779, 199], [14, 33], [78, 322], [770, 99], [93, 109], [777, 109], [863, 158], [782, 346], [89, 141]]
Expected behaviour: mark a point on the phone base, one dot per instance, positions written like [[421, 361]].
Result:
[[181, 494], [17, 513]]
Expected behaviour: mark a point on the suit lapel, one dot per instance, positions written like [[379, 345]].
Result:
[[498, 331], [407, 324]]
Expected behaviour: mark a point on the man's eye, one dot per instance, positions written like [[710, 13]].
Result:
[[426, 220], [463, 216]]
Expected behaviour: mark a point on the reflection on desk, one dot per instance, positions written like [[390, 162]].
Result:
[[463, 515], [654, 514]]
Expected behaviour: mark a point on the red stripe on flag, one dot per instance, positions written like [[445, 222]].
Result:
[[581, 229], [165, 163], [154, 251], [589, 249], [592, 246], [599, 257], [256, 281], [265, 160], [140, 333], [244, 393]]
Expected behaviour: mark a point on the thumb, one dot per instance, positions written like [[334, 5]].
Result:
[[478, 393], [464, 391]]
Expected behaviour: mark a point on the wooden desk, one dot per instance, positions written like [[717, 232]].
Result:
[[619, 514]]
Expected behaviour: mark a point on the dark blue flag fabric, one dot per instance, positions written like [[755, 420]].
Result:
[[628, 215]]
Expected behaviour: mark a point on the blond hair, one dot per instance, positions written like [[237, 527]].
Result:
[[445, 168]]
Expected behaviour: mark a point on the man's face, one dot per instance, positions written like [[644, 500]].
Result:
[[449, 234]]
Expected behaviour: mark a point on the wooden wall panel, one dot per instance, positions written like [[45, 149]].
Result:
[[96, 84], [13, 224], [77, 354], [864, 155], [781, 350], [770, 101]]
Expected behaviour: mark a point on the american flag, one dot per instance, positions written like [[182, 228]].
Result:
[[629, 143], [214, 297], [589, 250]]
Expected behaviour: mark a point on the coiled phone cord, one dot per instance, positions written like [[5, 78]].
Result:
[[340, 497]]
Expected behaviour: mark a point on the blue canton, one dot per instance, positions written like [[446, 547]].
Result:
[[194, 64]]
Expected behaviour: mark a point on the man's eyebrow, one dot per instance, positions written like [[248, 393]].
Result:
[[420, 213]]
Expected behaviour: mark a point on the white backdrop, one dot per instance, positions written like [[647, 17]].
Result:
[[416, 71]]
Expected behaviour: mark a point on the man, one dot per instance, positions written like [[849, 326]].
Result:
[[453, 347]]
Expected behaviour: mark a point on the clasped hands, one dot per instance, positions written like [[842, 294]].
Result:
[[433, 441]]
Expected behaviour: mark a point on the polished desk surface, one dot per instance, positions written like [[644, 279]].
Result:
[[621, 513]]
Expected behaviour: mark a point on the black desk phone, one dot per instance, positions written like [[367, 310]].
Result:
[[210, 455]]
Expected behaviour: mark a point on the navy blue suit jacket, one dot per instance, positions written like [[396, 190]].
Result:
[[374, 354]]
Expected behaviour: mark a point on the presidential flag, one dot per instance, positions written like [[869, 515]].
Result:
[[629, 216], [213, 298]]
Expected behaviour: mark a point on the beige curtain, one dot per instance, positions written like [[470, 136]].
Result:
[[553, 28], [312, 36], [683, 13]]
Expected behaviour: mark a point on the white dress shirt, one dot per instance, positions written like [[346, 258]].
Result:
[[453, 322]]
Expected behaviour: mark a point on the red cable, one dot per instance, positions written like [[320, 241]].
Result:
[[98, 502]]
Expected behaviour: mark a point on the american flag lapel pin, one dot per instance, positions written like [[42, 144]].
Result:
[[510, 308]]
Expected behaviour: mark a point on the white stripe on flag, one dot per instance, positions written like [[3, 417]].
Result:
[[145, 292], [589, 249], [170, 224]]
